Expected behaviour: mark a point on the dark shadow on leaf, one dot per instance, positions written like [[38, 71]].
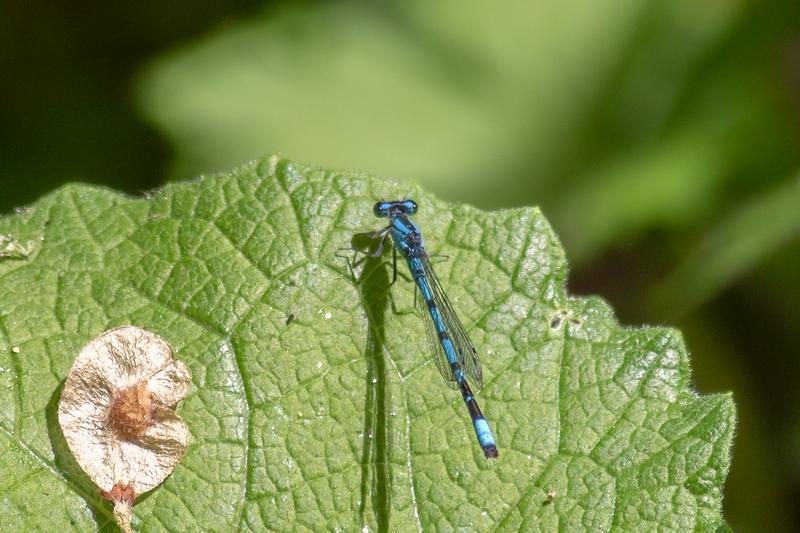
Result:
[[365, 243], [373, 282]]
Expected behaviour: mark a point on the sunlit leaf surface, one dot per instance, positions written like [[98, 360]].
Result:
[[336, 418]]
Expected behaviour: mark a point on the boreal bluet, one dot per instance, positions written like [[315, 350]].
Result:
[[454, 353]]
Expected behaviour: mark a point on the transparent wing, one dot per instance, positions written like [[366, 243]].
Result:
[[467, 355], [434, 346]]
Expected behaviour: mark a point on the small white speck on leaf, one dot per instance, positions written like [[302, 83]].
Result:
[[15, 349], [117, 413]]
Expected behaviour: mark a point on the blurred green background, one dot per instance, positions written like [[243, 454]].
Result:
[[662, 140]]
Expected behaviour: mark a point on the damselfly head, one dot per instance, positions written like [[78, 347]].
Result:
[[385, 209]]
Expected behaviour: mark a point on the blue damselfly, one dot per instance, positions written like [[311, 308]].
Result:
[[453, 350]]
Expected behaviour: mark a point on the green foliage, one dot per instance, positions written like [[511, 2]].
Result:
[[467, 100], [589, 109], [735, 246], [337, 419]]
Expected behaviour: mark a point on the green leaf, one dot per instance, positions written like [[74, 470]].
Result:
[[337, 418]]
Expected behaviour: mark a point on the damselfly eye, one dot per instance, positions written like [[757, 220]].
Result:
[[381, 209], [409, 206]]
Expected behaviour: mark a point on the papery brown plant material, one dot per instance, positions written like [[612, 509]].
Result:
[[117, 412]]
